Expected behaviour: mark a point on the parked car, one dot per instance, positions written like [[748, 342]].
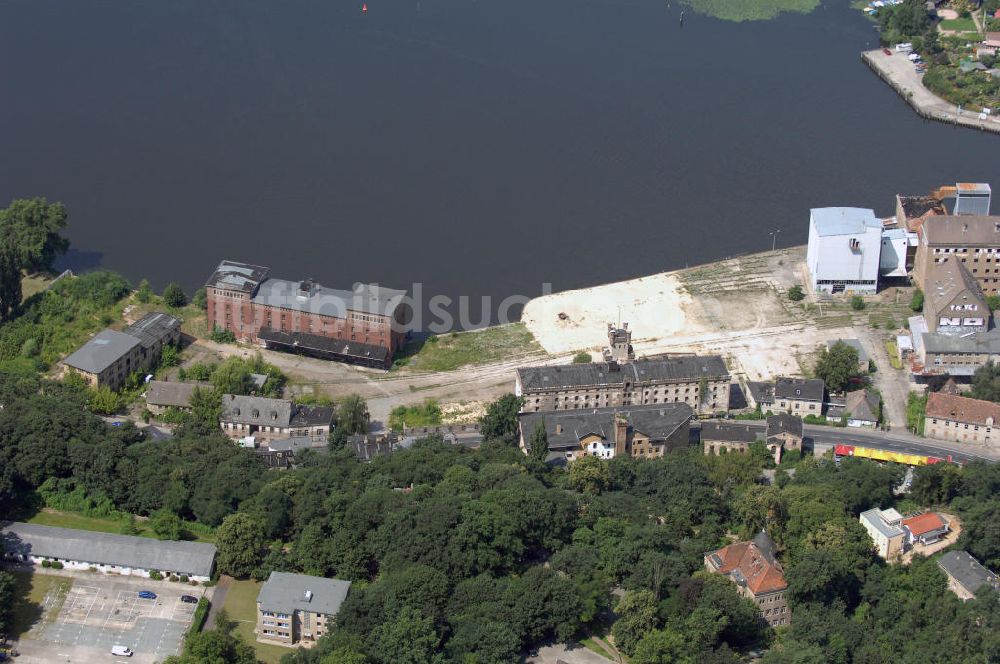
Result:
[[147, 594], [887, 51], [121, 651], [189, 599]]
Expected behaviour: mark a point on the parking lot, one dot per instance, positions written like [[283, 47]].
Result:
[[100, 611]]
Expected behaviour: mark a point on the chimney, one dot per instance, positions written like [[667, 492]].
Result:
[[559, 428], [621, 434], [307, 595]]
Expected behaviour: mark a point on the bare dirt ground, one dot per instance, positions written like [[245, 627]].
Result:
[[738, 308]]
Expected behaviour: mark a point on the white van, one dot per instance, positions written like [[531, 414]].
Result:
[[121, 651], [905, 47]]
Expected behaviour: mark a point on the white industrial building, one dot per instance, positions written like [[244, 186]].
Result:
[[106, 552], [845, 248]]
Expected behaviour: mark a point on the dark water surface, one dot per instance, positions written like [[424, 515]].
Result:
[[478, 147]]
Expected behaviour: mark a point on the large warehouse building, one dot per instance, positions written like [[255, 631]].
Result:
[[107, 552]]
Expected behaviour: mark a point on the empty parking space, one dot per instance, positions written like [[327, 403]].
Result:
[[100, 612]]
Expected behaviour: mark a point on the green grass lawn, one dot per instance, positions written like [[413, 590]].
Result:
[[591, 645], [750, 10], [458, 349], [50, 517], [30, 591], [241, 605], [959, 25], [34, 284]]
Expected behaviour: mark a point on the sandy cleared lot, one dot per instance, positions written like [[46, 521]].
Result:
[[578, 319]]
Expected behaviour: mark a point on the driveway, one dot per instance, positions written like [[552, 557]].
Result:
[[568, 654]]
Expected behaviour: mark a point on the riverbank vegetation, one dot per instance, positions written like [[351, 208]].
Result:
[[750, 10], [956, 69], [447, 352]]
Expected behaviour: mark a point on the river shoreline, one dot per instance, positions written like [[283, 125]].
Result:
[[898, 72]]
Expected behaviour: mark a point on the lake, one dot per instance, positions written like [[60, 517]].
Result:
[[479, 148]]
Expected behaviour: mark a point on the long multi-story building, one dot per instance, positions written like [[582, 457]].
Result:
[[365, 325], [108, 359], [973, 240], [701, 382], [961, 419]]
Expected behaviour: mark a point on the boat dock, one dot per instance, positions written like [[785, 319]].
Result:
[[898, 72]]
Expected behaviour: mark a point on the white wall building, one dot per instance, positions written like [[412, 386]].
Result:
[[107, 552], [845, 247]]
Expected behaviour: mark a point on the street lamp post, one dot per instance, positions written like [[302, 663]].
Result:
[[774, 238]]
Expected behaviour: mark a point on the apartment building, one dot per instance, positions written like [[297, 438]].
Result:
[[954, 302], [297, 609], [961, 419], [701, 382], [365, 325], [973, 240], [110, 357], [273, 419], [754, 568], [885, 529], [799, 396], [646, 432]]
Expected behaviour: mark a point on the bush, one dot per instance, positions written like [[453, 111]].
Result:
[[184, 578], [857, 303], [155, 575], [46, 563], [200, 614], [173, 578], [221, 336], [173, 296], [92, 570], [582, 358], [796, 294], [917, 301], [56, 565]]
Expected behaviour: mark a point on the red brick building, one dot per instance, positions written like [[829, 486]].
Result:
[[364, 326]]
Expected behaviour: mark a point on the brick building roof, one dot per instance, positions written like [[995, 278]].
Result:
[[751, 564], [925, 523], [962, 409]]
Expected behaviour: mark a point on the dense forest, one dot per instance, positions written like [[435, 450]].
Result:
[[462, 555]]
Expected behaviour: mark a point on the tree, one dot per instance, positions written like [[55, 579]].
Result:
[[986, 382], [838, 366], [917, 301], [352, 414], [500, 420], [104, 401], [796, 294], [233, 377], [539, 446], [8, 597], [173, 296], [166, 525], [144, 292], [240, 541], [857, 302], [589, 475], [582, 357], [636, 617], [29, 230], [216, 646], [916, 409], [409, 638], [200, 299]]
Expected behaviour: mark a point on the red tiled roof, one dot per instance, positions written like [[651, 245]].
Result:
[[761, 575], [962, 409], [925, 523]]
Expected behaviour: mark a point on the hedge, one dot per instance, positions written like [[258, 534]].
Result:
[[200, 614]]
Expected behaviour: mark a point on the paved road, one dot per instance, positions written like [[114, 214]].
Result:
[[892, 441]]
